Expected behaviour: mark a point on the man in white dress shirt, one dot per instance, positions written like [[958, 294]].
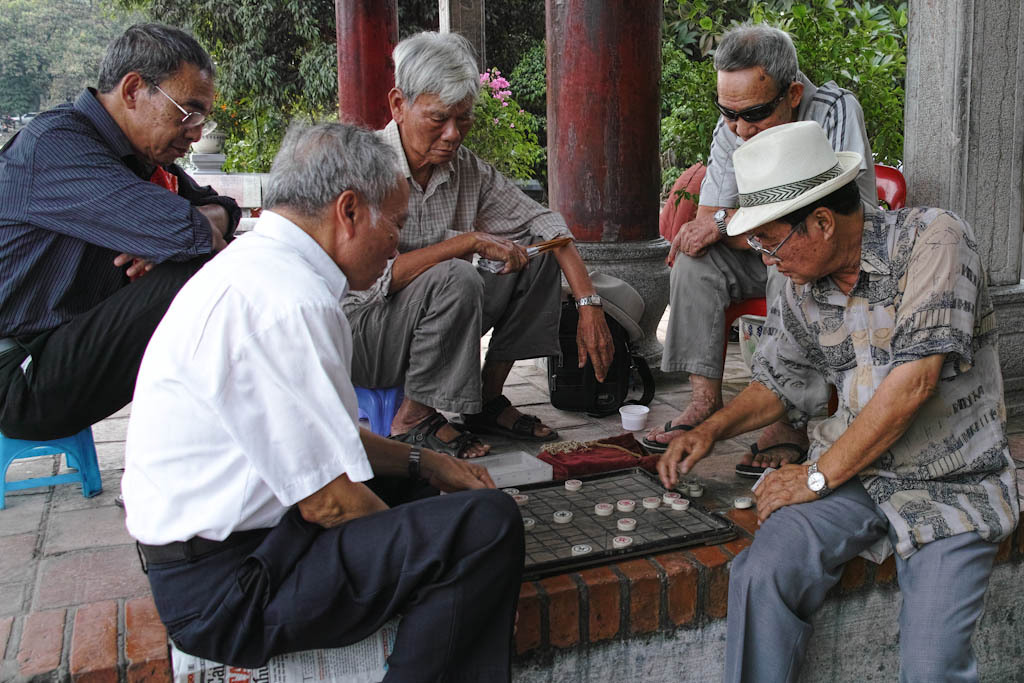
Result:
[[246, 472]]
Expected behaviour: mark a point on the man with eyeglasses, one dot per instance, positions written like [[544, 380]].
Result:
[[892, 308], [759, 86], [99, 229]]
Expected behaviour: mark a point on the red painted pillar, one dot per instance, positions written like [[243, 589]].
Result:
[[367, 33], [604, 64]]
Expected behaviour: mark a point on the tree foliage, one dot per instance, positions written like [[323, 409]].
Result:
[[51, 50]]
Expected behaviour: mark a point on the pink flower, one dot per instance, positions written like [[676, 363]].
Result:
[[484, 77], [495, 120], [504, 104], [511, 125]]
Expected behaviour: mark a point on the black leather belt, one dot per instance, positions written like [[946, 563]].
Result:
[[196, 547]]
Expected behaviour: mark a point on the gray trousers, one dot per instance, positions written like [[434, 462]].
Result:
[[798, 555], [700, 289], [427, 336]]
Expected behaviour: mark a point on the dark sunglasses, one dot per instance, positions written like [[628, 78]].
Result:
[[759, 112]]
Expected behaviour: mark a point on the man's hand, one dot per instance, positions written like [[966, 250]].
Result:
[[690, 447], [694, 238], [501, 249], [785, 486], [594, 340], [451, 474], [138, 267], [218, 217], [340, 501]]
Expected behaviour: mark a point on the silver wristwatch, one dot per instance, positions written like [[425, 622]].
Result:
[[720, 217], [816, 481], [592, 300]]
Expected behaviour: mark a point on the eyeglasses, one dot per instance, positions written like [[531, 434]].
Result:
[[755, 244], [759, 112], [192, 119]]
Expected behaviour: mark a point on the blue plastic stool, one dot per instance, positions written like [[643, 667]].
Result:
[[379, 407], [79, 452]]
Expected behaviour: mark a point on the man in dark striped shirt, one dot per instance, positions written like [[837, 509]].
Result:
[[99, 228]]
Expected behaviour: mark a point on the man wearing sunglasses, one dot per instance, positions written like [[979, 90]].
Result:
[[759, 86], [99, 229]]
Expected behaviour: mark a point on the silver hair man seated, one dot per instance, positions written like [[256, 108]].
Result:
[[420, 325], [892, 308], [250, 487], [759, 85]]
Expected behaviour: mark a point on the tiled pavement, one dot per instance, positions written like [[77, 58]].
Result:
[[74, 603]]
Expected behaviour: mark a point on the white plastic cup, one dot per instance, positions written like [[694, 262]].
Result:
[[634, 417]]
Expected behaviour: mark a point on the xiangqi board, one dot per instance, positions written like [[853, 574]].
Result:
[[575, 528]]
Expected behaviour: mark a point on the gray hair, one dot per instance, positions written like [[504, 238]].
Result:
[[440, 64], [750, 45], [317, 163], [154, 51]]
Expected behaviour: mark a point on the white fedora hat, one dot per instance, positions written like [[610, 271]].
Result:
[[784, 168]]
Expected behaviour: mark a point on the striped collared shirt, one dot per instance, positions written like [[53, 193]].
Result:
[[73, 195], [464, 195]]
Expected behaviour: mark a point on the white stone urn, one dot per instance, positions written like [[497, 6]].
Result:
[[210, 143]]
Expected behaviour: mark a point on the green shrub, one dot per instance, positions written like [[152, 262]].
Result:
[[503, 134]]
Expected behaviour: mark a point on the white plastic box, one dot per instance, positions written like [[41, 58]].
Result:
[[515, 468]]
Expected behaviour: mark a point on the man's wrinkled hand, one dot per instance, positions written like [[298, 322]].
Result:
[[500, 249], [594, 340], [137, 268], [450, 474], [693, 238], [683, 453], [785, 486]]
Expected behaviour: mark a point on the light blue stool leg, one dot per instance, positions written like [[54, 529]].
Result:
[[379, 407], [79, 452]]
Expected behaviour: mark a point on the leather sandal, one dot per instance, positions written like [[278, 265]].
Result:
[[425, 435], [486, 422]]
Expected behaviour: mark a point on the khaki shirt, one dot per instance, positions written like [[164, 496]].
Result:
[[464, 195], [921, 292]]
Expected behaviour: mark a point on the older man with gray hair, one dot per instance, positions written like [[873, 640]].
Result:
[[420, 325], [891, 307], [759, 86], [248, 483]]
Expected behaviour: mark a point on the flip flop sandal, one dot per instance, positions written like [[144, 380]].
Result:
[[486, 422], [755, 471], [424, 434], [659, 447]]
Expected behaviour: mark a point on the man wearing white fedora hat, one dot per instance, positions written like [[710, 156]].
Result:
[[759, 85], [892, 308]]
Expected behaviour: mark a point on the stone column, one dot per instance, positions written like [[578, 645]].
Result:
[[964, 147], [604, 66], [367, 32], [466, 17]]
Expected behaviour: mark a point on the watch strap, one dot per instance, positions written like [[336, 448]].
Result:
[[824, 490], [591, 300], [414, 463], [720, 222]]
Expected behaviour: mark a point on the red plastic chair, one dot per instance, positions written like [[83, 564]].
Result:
[[891, 186]]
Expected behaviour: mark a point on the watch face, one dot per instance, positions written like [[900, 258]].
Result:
[[816, 481], [719, 215]]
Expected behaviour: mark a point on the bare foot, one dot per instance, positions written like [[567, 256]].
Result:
[[778, 433], [705, 400]]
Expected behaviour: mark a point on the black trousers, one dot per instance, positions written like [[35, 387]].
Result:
[[450, 565], [85, 370]]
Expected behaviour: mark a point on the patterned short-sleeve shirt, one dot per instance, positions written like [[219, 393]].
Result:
[[921, 292]]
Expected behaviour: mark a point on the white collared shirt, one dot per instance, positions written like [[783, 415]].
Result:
[[244, 403]]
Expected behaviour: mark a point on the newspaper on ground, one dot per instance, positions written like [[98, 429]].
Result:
[[362, 662]]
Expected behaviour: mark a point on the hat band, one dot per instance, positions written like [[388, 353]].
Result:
[[782, 193]]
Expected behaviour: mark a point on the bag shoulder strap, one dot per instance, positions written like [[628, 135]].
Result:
[[647, 377]]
